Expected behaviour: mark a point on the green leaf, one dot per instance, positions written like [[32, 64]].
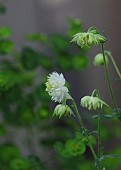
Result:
[[29, 58], [75, 26], [8, 152], [42, 94], [58, 42], [37, 37], [45, 61], [2, 9], [5, 32], [7, 80], [2, 130], [64, 62], [26, 117], [44, 112], [75, 148], [79, 62], [19, 163], [118, 115], [6, 46], [35, 163], [110, 156]]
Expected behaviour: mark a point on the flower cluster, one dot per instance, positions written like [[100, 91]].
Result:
[[89, 38], [56, 88], [91, 102]]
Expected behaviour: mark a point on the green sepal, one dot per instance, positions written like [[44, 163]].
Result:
[[93, 30]]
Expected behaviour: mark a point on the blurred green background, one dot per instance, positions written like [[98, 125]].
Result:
[[30, 138]]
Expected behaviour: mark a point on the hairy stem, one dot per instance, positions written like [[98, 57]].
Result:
[[99, 139], [108, 80], [115, 65], [82, 125]]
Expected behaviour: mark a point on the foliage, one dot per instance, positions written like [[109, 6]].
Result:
[[24, 104]]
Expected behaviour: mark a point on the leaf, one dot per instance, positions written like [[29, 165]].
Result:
[[42, 94], [37, 37], [2, 9], [58, 42], [79, 62], [74, 148], [110, 156], [105, 116], [29, 58], [75, 26], [8, 79], [6, 46], [118, 115], [45, 61], [64, 62], [5, 32]]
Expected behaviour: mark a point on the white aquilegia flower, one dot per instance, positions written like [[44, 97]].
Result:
[[89, 38], [56, 88], [92, 102]]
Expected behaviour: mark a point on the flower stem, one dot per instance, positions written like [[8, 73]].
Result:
[[82, 125], [108, 79], [99, 139], [114, 63]]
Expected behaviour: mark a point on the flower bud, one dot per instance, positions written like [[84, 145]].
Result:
[[92, 103], [89, 38], [99, 60], [85, 39], [62, 110]]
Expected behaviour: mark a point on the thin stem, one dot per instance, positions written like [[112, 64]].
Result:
[[108, 79], [114, 63], [82, 125], [99, 139]]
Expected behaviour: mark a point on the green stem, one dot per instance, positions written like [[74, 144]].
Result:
[[82, 125], [114, 63], [108, 80], [99, 139]]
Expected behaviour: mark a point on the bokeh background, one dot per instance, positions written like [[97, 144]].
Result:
[[51, 16]]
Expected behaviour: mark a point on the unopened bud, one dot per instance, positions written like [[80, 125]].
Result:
[[62, 110], [92, 103], [99, 60]]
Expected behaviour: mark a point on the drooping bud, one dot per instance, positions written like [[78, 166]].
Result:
[[89, 38], [99, 60], [92, 102], [62, 110]]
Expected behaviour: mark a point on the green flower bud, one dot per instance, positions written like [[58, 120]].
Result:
[[85, 39], [89, 38], [92, 103], [62, 110], [99, 60]]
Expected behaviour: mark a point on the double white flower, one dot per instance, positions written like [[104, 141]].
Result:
[[56, 88]]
